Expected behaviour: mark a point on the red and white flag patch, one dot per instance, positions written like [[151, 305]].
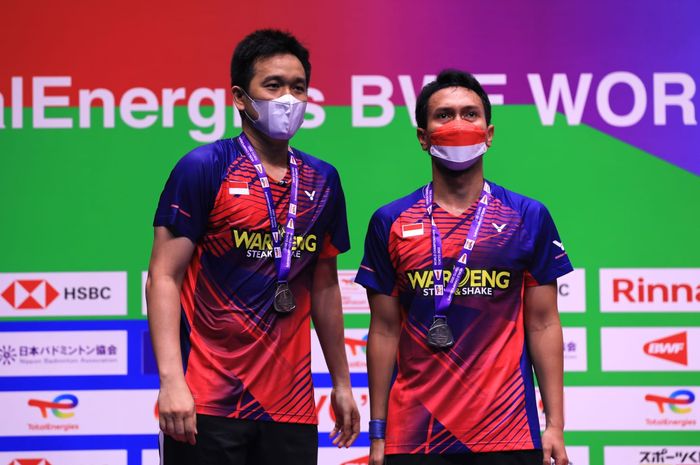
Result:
[[412, 230], [238, 188]]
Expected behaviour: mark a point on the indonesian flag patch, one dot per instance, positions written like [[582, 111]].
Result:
[[238, 188], [412, 230]]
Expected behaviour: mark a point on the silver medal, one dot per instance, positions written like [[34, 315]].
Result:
[[440, 334], [284, 299]]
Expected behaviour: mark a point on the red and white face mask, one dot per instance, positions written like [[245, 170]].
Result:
[[458, 144]]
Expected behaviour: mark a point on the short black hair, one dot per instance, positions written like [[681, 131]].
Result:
[[262, 44], [449, 78]]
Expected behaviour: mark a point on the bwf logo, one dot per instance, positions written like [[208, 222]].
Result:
[[30, 294], [673, 348]]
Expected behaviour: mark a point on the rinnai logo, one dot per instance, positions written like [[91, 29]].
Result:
[[30, 294], [650, 289], [57, 406], [672, 348], [674, 401], [30, 462]]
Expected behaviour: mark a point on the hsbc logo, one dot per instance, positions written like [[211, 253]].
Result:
[[53, 294], [30, 294], [672, 348]]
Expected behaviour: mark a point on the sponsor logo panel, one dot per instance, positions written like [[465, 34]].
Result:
[[645, 408], [83, 457], [658, 455], [571, 289], [355, 350], [150, 457], [350, 456], [578, 455], [650, 349], [575, 352], [650, 289], [326, 418], [59, 413], [63, 353], [354, 296], [62, 294]]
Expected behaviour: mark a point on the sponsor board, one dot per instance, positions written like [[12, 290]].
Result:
[[78, 457], [63, 353], [59, 413], [571, 291], [650, 408], [150, 457], [355, 350], [658, 455], [349, 456], [62, 294], [354, 296], [326, 418], [578, 455], [650, 289], [575, 352], [650, 349]]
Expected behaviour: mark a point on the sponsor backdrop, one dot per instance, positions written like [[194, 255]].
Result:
[[595, 114]]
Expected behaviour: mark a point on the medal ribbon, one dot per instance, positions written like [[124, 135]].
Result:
[[282, 249], [443, 296]]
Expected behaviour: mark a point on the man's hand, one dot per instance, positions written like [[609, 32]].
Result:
[[553, 447], [347, 417], [176, 409], [376, 452]]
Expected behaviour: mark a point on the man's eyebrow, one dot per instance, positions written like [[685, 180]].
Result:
[[280, 78]]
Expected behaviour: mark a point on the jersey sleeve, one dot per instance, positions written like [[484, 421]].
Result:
[[336, 239], [376, 270], [189, 195], [549, 258]]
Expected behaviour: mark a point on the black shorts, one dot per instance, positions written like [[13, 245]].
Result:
[[517, 457], [229, 441]]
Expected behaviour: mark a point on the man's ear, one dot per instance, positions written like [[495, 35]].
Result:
[[423, 138]]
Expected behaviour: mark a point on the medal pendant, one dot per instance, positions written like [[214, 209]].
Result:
[[284, 299], [440, 334]]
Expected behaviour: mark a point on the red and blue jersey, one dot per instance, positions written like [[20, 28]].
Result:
[[242, 359], [478, 395]]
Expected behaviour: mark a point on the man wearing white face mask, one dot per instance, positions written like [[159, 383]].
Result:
[[247, 232], [461, 280]]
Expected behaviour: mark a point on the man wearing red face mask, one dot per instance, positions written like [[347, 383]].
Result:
[[461, 279]]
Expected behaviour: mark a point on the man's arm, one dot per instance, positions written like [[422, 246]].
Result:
[[546, 347], [382, 343], [169, 260], [327, 315]]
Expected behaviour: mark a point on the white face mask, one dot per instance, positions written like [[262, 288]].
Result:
[[279, 118]]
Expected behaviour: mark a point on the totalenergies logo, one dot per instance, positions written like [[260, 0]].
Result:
[[674, 401], [30, 294], [356, 345], [58, 406]]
